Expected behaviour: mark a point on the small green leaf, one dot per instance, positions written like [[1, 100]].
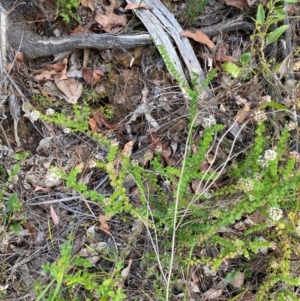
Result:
[[260, 15], [280, 12], [275, 35], [232, 69], [16, 168], [231, 275], [273, 104], [245, 58], [291, 1], [13, 198], [21, 156]]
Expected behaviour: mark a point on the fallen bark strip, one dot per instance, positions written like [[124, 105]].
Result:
[[158, 33], [161, 24]]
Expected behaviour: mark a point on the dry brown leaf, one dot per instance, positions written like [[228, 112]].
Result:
[[125, 272], [249, 2], [101, 119], [93, 125], [236, 3], [57, 67], [78, 30], [199, 36], [38, 188], [221, 54], [137, 6], [80, 166], [167, 152], [205, 166], [64, 70], [238, 280], [19, 150], [135, 197], [54, 216], [212, 294], [99, 72], [70, 87], [90, 76], [194, 283], [100, 89], [154, 142], [31, 230], [198, 186], [257, 217], [45, 74], [111, 20], [87, 75], [97, 118], [87, 3], [195, 287], [86, 57], [127, 149], [243, 113], [78, 151], [19, 57], [103, 223]]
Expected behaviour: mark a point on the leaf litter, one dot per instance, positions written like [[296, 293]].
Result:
[[144, 122]]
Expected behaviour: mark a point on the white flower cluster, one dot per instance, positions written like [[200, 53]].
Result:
[[291, 125], [34, 115], [295, 155], [298, 228], [207, 195], [257, 176], [72, 100], [260, 116], [275, 214], [52, 176], [270, 155], [99, 156], [66, 130], [251, 198], [262, 162], [49, 112], [209, 121], [92, 164], [135, 162], [158, 149], [114, 142], [246, 184]]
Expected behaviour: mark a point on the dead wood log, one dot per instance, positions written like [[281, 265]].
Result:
[[21, 36], [34, 46]]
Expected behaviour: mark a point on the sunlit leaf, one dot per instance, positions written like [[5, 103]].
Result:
[[275, 35], [232, 69], [260, 15], [272, 104], [245, 58]]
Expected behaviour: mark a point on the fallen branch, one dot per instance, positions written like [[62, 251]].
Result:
[[21, 36], [35, 46]]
